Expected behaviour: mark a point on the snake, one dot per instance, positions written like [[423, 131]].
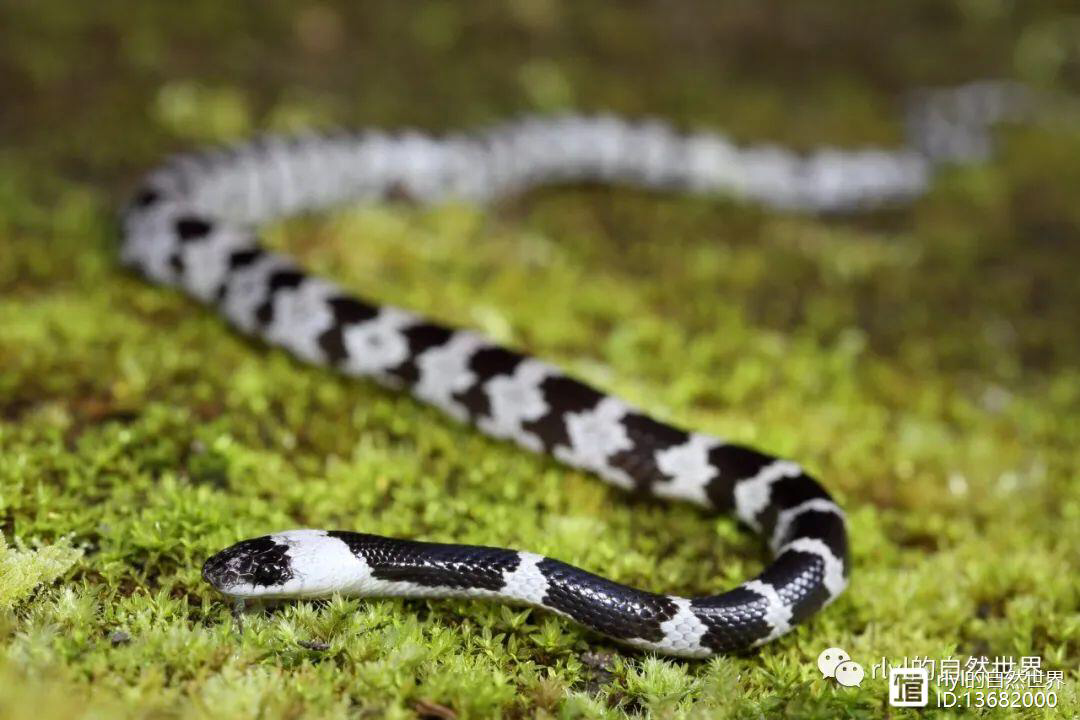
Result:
[[192, 224]]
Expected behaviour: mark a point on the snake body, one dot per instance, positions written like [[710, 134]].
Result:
[[190, 226]]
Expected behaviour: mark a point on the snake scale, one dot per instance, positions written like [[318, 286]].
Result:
[[190, 225]]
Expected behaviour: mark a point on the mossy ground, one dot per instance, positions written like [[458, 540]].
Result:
[[923, 362]]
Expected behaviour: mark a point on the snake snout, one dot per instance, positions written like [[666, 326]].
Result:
[[214, 570]]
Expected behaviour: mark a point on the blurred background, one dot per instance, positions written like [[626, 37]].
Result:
[[98, 94], [156, 75]]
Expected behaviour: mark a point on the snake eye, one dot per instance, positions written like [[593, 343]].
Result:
[[267, 575]]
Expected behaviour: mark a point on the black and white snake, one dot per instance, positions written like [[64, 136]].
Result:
[[190, 226]]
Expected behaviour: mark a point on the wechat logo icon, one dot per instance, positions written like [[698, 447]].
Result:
[[837, 664]]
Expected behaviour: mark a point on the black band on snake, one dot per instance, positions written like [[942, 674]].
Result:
[[190, 226]]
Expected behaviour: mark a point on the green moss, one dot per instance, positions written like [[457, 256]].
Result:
[[923, 362], [21, 570]]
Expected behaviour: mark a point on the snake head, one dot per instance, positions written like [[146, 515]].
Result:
[[251, 568], [295, 563]]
